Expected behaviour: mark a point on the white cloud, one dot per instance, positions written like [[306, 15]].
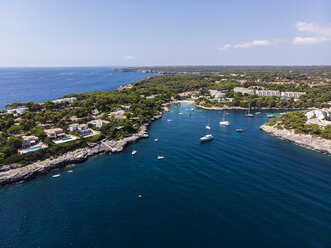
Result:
[[129, 57], [246, 44], [321, 33]]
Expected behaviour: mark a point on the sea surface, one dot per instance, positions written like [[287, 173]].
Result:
[[43, 84], [240, 190]]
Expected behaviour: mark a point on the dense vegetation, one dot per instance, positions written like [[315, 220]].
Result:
[[296, 121]]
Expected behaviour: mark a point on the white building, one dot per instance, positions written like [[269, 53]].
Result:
[[295, 95], [243, 90], [82, 128], [19, 111], [98, 123], [65, 100], [216, 94], [320, 117], [268, 93]]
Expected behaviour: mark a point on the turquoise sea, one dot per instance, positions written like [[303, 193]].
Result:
[[240, 190]]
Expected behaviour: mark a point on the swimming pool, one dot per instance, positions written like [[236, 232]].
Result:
[[32, 149], [66, 139]]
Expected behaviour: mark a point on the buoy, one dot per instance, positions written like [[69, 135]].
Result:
[[70, 171]]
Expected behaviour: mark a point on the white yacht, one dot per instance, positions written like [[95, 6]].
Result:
[[160, 157], [56, 175], [206, 137], [134, 152], [192, 109], [169, 120], [223, 122], [257, 113], [180, 113], [271, 116], [156, 140], [208, 127]]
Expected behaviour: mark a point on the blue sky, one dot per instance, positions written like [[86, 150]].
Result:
[[182, 32]]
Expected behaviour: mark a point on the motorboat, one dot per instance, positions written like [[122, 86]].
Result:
[[192, 109], [134, 152], [180, 113], [240, 130], [160, 157], [258, 113], [208, 127], [169, 120], [206, 137], [271, 116], [156, 140], [56, 175]]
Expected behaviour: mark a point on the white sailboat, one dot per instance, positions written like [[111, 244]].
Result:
[[248, 112], [208, 126], [224, 122]]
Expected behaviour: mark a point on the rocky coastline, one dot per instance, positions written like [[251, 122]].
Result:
[[22, 173], [308, 141]]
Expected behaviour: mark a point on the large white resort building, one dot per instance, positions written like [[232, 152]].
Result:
[[268, 93]]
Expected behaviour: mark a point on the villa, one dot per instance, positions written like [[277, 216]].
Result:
[[243, 90], [18, 111], [116, 118], [321, 117], [55, 133], [65, 100], [82, 128], [29, 141], [98, 123]]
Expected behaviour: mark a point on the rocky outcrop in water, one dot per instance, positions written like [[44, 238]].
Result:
[[22, 173], [304, 140]]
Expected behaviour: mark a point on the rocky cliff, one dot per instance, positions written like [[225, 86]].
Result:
[[27, 172], [307, 141]]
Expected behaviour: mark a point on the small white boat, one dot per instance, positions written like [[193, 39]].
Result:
[[180, 113], [192, 109], [208, 127], [156, 140], [257, 113], [239, 130], [56, 175], [224, 122], [160, 157], [206, 137], [169, 120], [134, 152], [271, 116]]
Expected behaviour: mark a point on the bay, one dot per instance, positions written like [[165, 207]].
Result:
[[240, 190]]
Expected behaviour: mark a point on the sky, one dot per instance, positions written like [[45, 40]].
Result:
[[164, 32]]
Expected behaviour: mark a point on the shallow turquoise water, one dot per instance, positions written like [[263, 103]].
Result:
[[240, 190]]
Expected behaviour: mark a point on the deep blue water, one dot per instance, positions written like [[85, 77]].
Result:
[[239, 190], [43, 84]]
